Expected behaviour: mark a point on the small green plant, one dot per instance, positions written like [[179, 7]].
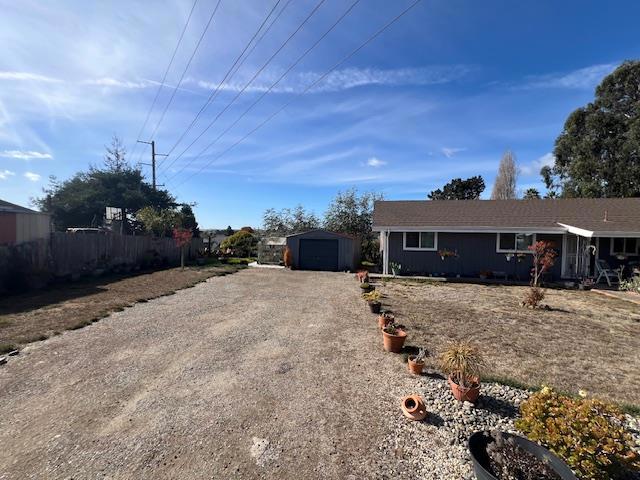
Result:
[[365, 286], [463, 361], [372, 296], [396, 268], [631, 285], [586, 433], [393, 328]]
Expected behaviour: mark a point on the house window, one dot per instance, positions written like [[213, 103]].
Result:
[[515, 242], [624, 246], [421, 241]]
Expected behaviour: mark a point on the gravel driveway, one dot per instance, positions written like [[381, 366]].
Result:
[[260, 374]]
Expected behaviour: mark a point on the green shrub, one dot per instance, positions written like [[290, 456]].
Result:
[[241, 244], [587, 433], [631, 285]]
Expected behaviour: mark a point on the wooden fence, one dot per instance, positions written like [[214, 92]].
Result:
[[76, 254]]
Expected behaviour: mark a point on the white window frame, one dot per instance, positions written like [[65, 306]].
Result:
[[633, 254], [420, 249], [513, 250]]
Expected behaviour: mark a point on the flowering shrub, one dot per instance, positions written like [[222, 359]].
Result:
[[631, 285], [588, 434]]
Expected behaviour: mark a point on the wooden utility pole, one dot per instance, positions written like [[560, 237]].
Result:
[[153, 161]]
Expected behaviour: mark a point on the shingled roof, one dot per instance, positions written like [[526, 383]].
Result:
[[597, 216]]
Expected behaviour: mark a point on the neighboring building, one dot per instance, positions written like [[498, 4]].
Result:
[[324, 250], [19, 224], [493, 235]]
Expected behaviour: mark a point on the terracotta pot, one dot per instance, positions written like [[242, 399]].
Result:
[[413, 407], [375, 307], [415, 367], [465, 394], [394, 343], [384, 321]]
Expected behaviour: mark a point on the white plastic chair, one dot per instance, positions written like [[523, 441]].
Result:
[[604, 270]]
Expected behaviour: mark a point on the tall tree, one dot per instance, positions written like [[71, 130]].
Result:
[[504, 188], [188, 219], [531, 193], [81, 201], [115, 158], [288, 221], [598, 152], [352, 213], [458, 189]]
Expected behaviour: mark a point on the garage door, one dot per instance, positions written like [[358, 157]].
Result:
[[319, 255]]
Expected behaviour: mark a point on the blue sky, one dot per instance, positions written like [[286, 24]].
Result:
[[441, 94]]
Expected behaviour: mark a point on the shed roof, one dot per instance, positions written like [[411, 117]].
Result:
[[7, 207], [344, 235], [597, 216]]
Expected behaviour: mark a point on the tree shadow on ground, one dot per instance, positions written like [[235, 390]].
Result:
[[496, 405]]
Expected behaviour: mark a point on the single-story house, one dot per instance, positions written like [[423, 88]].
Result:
[[324, 250], [19, 224], [469, 237]]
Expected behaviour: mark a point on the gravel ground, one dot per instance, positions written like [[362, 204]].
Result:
[[262, 374]]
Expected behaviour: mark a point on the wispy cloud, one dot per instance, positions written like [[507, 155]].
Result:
[[25, 155], [34, 177], [546, 160], [450, 152], [113, 82], [346, 79], [4, 174], [27, 76], [583, 78], [375, 162]]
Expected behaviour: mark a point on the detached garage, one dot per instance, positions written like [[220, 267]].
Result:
[[324, 250]]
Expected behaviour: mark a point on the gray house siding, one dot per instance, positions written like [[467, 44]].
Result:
[[476, 252], [348, 248]]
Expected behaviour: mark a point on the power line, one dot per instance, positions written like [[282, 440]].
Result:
[[315, 9], [298, 95], [213, 94], [164, 77], [184, 72], [272, 86]]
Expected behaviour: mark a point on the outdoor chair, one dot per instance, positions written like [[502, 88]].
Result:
[[604, 270]]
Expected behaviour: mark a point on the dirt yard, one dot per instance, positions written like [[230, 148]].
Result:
[[40, 314], [586, 341]]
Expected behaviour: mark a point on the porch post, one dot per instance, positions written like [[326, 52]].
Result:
[[385, 253]]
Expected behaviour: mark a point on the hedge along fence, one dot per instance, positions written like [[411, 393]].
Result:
[[73, 254]]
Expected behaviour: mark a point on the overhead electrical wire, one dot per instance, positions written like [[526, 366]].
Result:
[[164, 77], [184, 72], [272, 86], [298, 95], [237, 63], [256, 74]]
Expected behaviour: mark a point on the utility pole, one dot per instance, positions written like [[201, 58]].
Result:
[[153, 161]]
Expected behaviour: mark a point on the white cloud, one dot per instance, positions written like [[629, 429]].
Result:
[[583, 78], [34, 177], [450, 152], [375, 162], [4, 174], [24, 155], [26, 76], [546, 160], [113, 82]]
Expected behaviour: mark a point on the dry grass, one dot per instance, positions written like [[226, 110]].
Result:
[[40, 314], [586, 341]]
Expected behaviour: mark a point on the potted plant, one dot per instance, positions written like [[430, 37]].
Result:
[[373, 299], [385, 319], [586, 283], [393, 337], [416, 362], [463, 363], [396, 268], [484, 274], [499, 455]]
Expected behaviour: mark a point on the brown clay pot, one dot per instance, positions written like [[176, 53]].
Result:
[[375, 307], [413, 407], [384, 321], [465, 394], [394, 343], [415, 367]]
